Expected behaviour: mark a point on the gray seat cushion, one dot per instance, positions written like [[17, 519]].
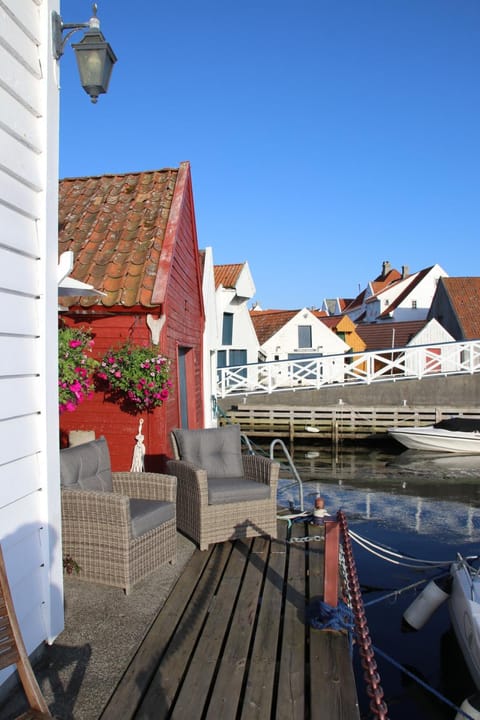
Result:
[[87, 466], [149, 514], [230, 490], [216, 450]]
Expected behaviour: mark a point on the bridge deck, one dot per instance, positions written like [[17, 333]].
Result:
[[232, 641]]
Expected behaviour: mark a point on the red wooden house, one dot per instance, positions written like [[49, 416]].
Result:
[[134, 238]]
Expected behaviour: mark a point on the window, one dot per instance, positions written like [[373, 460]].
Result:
[[237, 357], [304, 336], [227, 329], [414, 304]]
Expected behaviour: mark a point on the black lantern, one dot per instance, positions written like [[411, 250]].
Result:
[[95, 57], [95, 60]]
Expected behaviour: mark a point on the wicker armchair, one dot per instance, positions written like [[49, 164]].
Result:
[[123, 527], [222, 494]]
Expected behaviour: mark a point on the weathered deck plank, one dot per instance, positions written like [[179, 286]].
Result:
[[259, 687], [143, 666], [332, 684], [233, 641], [210, 647], [183, 638], [291, 684], [226, 695]]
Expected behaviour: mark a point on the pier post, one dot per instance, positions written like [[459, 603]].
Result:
[[331, 573]]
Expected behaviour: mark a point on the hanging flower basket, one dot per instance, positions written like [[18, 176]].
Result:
[[76, 367], [136, 376]]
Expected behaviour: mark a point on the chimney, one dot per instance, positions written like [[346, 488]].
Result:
[[405, 271], [386, 267]]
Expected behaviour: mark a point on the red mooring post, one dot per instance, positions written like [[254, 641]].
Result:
[[330, 574]]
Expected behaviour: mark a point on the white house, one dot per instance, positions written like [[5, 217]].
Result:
[[234, 288], [29, 456], [408, 298], [296, 335], [211, 337], [436, 359]]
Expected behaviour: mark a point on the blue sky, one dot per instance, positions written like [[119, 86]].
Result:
[[324, 136]]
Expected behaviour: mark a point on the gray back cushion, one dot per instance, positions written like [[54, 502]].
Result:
[[87, 466], [216, 450]]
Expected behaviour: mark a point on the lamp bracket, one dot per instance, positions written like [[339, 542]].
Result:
[[59, 27]]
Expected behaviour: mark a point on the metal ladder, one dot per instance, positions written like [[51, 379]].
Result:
[[290, 463]]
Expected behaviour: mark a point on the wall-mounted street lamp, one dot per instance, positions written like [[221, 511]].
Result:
[[95, 57]]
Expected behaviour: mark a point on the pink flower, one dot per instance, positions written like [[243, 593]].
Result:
[[74, 343]]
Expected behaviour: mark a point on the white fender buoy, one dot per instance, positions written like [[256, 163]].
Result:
[[424, 605], [470, 706]]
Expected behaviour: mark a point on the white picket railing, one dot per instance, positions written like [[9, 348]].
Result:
[[410, 363]]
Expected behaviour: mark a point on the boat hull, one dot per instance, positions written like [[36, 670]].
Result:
[[464, 608], [436, 439]]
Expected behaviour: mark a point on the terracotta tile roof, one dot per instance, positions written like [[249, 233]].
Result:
[[381, 282], [464, 295], [415, 280], [227, 275], [345, 302], [384, 335], [115, 225], [331, 321], [356, 302], [268, 322]]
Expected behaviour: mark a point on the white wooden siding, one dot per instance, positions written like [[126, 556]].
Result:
[[29, 492]]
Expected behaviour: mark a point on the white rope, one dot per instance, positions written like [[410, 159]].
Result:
[[138, 460], [414, 562]]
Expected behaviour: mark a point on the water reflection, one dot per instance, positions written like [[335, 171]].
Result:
[[422, 504], [428, 494]]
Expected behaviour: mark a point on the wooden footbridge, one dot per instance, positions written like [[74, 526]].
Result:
[[318, 371], [233, 640]]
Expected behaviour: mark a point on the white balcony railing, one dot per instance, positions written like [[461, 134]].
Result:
[[354, 368]]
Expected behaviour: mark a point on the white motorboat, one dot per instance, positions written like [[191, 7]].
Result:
[[455, 435], [464, 608]]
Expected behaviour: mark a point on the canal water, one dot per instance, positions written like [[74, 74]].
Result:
[[423, 505]]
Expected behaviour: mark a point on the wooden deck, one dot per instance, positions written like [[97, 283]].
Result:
[[232, 641]]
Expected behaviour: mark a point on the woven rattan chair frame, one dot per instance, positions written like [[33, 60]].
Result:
[[13, 651], [206, 524], [97, 530]]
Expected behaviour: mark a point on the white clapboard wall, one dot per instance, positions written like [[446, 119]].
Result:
[[29, 485]]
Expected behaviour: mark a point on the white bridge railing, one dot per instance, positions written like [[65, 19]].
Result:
[[408, 363]]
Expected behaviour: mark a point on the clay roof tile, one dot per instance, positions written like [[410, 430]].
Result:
[[115, 226]]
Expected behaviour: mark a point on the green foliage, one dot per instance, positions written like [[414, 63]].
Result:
[[136, 375], [76, 367]]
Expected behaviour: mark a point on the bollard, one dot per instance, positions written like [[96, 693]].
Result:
[[330, 577]]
